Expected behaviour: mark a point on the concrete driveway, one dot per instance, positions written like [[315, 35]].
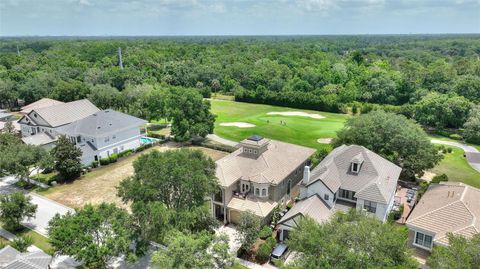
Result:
[[46, 208]]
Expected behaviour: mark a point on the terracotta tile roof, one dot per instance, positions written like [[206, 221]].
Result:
[[65, 113], [259, 207], [272, 166], [44, 102], [447, 207]]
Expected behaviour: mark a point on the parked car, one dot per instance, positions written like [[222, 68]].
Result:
[[279, 252]]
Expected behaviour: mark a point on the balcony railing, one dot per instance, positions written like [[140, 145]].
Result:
[[240, 194]]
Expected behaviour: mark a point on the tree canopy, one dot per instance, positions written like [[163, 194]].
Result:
[[93, 235], [196, 251], [461, 253], [350, 240], [67, 158], [180, 179], [14, 208], [396, 138], [16, 158], [168, 191], [330, 73]]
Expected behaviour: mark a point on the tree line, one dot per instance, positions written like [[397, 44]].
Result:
[[416, 75]]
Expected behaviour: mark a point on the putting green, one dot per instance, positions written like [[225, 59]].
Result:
[[294, 129]]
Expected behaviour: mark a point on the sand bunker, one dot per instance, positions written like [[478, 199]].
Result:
[[324, 140], [297, 113], [238, 124]]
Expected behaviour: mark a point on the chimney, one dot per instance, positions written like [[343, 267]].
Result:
[[303, 185], [306, 175]]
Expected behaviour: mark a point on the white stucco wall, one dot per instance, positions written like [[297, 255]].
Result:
[[320, 189], [381, 212]]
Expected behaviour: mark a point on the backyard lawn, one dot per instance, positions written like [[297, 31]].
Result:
[[100, 185], [456, 167], [299, 130]]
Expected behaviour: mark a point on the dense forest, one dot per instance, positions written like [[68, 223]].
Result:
[[434, 79]]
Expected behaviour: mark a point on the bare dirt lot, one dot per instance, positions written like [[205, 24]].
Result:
[[100, 185]]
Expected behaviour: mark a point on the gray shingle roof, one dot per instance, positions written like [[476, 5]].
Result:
[[7, 255], [376, 181], [61, 114], [10, 258], [272, 166], [102, 122], [313, 207], [447, 207]]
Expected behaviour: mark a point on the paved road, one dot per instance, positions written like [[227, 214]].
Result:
[[224, 141], [46, 209], [473, 155]]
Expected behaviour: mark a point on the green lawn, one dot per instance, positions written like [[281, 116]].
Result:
[[298, 129], [456, 167], [39, 240]]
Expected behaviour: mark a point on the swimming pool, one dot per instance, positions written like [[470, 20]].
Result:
[[147, 140]]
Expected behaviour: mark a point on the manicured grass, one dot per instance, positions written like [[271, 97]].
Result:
[[39, 240], [297, 130], [238, 266], [456, 167]]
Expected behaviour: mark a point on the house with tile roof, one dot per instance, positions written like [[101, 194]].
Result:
[[44, 102], [444, 208], [258, 176], [98, 133], [11, 258], [349, 177]]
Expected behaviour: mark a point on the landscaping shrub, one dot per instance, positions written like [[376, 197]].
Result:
[[155, 135], [289, 205], [276, 215], [104, 161], [220, 147], [144, 147], [263, 253], [22, 243], [271, 242], [94, 164], [439, 178], [265, 232], [125, 153], [456, 136], [449, 150], [113, 158]]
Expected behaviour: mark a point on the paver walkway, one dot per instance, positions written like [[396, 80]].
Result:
[[472, 154]]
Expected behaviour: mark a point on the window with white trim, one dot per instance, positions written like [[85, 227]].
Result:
[[264, 192], [355, 167], [326, 197], [257, 191], [370, 206], [424, 240]]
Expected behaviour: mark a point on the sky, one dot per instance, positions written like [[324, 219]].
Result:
[[236, 17]]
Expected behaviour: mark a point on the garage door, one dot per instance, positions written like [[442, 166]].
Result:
[[234, 216]]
